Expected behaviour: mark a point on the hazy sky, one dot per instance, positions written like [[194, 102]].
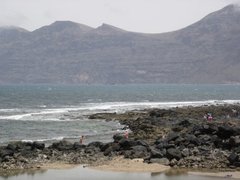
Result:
[[133, 15]]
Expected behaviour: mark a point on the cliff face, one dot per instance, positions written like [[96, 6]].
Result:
[[67, 52]]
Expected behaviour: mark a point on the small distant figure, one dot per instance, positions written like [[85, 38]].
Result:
[[235, 113], [208, 117], [81, 140], [126, 134]]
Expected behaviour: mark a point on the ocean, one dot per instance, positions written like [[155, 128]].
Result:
[[50, 113]]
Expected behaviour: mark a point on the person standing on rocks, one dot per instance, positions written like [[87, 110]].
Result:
[[126, 134], [81, 140], [209, 117]]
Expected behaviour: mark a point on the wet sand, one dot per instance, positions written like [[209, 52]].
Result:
[[120, 164]]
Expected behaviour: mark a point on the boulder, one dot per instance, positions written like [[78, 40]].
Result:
[[6, 152], [185, 152], [160, 141], [192, 139], [155, 153], [139, 152], [106, 146], [165, 146], [237, 150], [234, 141], [225, 132], [142, 143], [195, 151], [172, 136], [113, 148], [233, 158], [126, 144], [127, 154], [184, 123], [173, 163], [38, 145], [139, 148], [91, 150], [216, 140], [208, 129], [179, 141], [204, 139], [19, 145], [173, 153], [12, 147], [96, 144], [62, 145], [78, 146]]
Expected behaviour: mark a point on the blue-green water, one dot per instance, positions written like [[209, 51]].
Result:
[[48, 113]]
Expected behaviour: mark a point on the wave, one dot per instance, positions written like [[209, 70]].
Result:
[[44, 140], [56, 114], [125, 106], [89, 136]]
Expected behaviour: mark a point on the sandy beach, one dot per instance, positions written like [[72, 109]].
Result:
[[120, 164]]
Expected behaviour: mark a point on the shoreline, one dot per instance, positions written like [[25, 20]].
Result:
[[179, 138], [119, 164]]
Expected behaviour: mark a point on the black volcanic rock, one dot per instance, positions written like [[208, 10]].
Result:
[[66, 52]]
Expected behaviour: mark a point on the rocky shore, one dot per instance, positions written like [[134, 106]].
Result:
[[177, 137]]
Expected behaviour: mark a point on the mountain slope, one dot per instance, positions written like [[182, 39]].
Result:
[[66, 52]]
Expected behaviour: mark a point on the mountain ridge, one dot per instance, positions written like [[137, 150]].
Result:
[[66, 52]]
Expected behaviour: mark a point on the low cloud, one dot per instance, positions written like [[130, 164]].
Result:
[[10, 19]]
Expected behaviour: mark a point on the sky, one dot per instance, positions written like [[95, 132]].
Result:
[[148, 16]]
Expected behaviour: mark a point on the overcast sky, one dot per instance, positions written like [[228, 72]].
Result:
[[151, 16]]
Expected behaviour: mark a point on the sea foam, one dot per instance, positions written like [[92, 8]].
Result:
[[56, 114]]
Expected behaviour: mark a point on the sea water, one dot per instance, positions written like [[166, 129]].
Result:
[[54, 112], [79, 173]]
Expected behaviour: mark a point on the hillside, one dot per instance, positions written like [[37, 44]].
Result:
[[66, 52]]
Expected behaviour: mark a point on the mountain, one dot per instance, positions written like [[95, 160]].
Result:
[[66, 52]]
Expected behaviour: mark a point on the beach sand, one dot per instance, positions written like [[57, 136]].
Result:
[[58, 165], [120, 164]]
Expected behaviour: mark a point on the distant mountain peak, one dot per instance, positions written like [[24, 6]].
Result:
[[12, 28], [59, 26], [225, 17], [108, 28], [233, 8], [69, 24]]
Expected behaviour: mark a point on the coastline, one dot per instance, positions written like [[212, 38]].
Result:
[[160, 140]]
